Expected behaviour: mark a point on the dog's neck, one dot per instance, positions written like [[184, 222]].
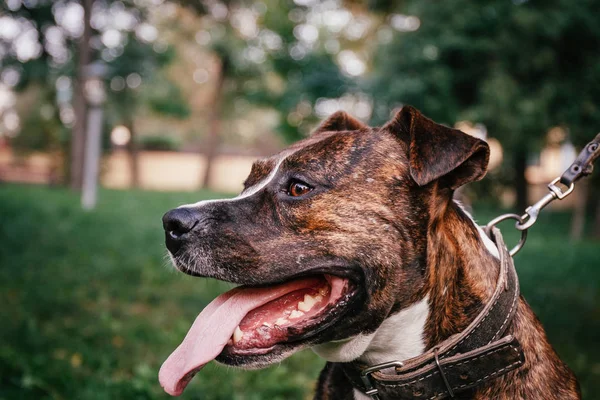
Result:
[[462, 267], [462, 270]]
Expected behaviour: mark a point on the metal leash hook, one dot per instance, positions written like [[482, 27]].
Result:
[[582, 166], [532, 212]]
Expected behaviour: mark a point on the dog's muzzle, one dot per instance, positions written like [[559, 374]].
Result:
[[178, 223]]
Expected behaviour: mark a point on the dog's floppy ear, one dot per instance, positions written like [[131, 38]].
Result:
[[439, 152], [340, 121]]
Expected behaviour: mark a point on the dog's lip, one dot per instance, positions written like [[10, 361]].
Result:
[[338, 267], [334, 271], [352, 273]]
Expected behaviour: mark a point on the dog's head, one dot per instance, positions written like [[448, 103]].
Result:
[[328, 237]]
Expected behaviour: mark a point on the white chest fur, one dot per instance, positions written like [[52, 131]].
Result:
[[398, 338]]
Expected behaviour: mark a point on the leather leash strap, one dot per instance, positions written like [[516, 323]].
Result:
[[584, 164], [478, 354]]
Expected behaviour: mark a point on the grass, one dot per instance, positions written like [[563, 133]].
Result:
[[89, 308]]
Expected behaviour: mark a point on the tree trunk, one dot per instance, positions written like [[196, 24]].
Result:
[[521, 186], [214, 130], [79, 102], [579, 212], [133, 152]]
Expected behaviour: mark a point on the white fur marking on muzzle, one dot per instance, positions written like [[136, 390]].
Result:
[[249, 191]]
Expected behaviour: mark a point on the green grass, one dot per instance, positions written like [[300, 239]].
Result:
[[89, 307]]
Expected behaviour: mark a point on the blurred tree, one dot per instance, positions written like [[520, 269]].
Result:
[[262, 57], [519, 67], [27, 63], [42, 117], [80, 108], [231, 69], [141, 63], [306, 69], [49, 42]]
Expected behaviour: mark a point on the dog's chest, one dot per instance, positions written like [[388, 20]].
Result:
[[398, 338]]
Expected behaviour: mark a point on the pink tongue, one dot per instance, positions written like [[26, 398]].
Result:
[[212, 329]]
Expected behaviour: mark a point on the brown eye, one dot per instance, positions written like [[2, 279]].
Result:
[[298, 188]]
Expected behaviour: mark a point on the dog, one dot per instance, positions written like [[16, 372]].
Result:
[[349, 242]]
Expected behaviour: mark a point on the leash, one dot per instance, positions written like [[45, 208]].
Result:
[[480, 353], [581, 167]]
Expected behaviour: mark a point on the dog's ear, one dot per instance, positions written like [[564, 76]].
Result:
[[439, 152], [340, 121]]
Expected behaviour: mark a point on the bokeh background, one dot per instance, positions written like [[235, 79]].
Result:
[[173, 100]]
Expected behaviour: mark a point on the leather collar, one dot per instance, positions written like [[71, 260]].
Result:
[[478, 354]]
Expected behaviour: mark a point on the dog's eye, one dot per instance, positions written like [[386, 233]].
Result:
[[298, 188]]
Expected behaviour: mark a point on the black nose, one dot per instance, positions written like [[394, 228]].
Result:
[[177, 223]]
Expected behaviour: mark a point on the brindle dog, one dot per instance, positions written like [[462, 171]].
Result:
[[362, 220]]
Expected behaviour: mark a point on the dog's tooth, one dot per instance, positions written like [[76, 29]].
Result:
[[281, 321], [302, 306], [323, 291], [318, 298], [307, 304], [237, 334], [296, 314]]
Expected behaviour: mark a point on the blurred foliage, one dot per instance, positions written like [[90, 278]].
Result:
[[162, 96], [307, 79], [159, 142], [283, 79], [165, 98], [90, 307], [42, 130], [519, 67], [133, 57]]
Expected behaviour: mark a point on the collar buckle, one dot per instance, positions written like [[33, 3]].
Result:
[[365, 376]]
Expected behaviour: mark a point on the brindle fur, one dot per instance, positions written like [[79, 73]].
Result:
[[382, 214]]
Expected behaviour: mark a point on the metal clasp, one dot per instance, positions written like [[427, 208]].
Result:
[[532, 212], [582, 166], [365, 376]]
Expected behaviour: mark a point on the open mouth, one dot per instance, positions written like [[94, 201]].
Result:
[[254, 321]]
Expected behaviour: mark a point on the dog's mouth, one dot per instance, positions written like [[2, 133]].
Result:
[[250, 322]]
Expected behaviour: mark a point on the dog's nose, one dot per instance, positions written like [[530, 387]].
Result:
[[177, 223]]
